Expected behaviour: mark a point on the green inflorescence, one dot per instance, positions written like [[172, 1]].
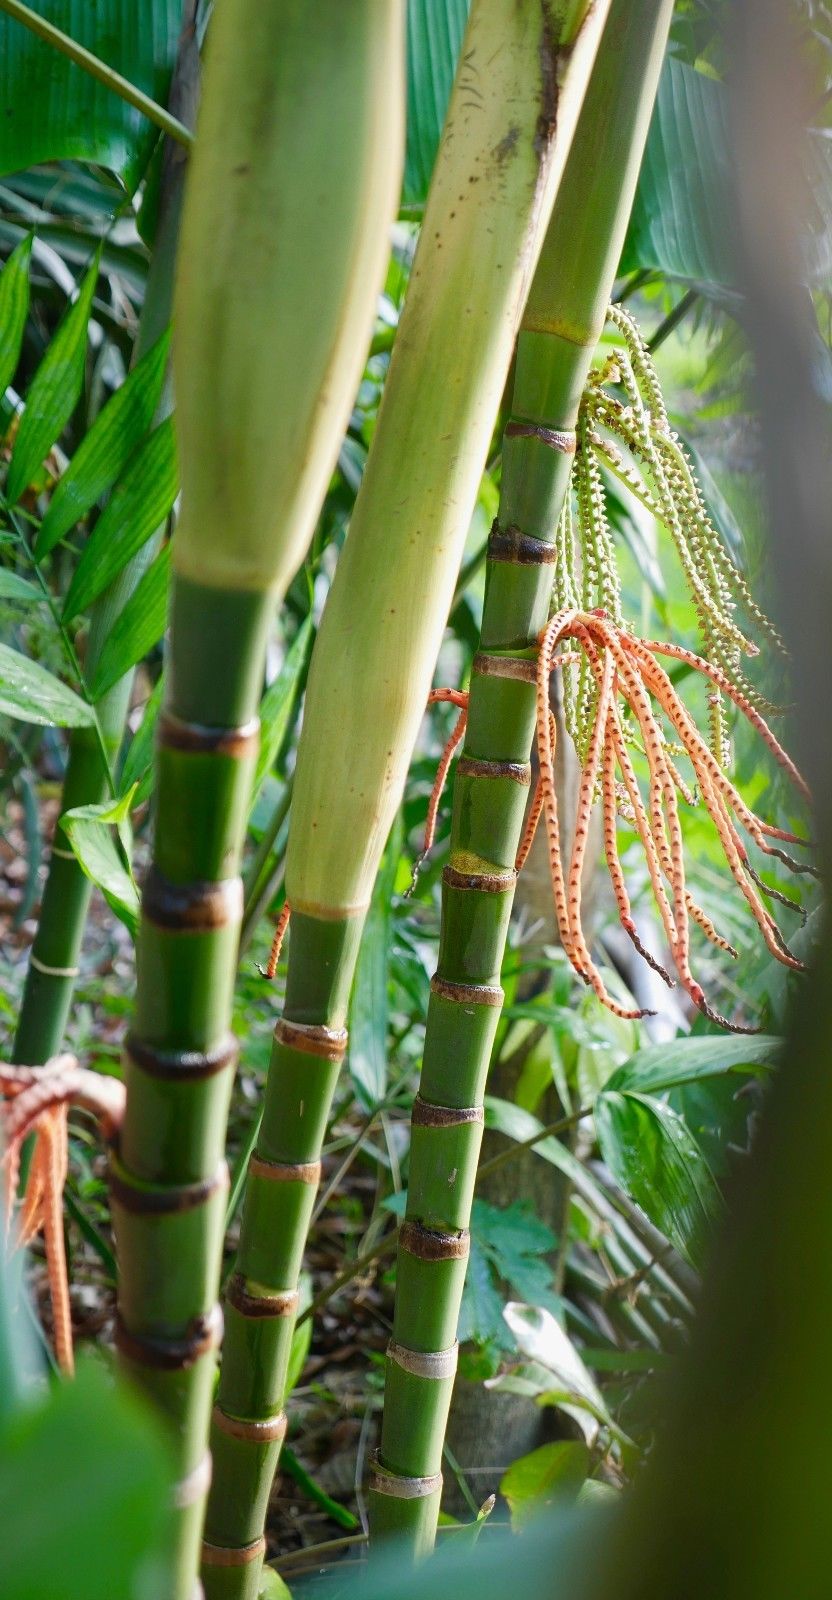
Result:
[[624, 428]]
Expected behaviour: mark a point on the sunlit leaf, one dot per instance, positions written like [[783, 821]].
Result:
[[31, 694], [101, 838], [654, 1157], [665, 1066], [554, 1473], [13, 587]]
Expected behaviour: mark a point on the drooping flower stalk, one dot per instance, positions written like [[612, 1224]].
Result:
[[285, 236], [627, 667], [560, 329], [623, 426], [497, 170], [37, 1100]]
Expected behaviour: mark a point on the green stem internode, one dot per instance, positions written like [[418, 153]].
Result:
[[561, 326]]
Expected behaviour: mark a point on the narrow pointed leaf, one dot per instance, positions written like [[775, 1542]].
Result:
[[56, 111], [369, 1013], [656, 1160], [54, 391], [101, 458], [277, 704], [101, 838], [140, 502], [31, 694], [137, 774], [138, 627], [434, 35], [14, 588], [14, 306]]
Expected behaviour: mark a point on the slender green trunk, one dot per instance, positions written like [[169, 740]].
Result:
[[560, 329], [284, 241], [491, 196], [53, 964]]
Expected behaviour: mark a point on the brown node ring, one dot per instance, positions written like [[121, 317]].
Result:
[[428, 1244]]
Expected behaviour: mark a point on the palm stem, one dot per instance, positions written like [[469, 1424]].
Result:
[[560, 329], [368, 685], [265, 376]]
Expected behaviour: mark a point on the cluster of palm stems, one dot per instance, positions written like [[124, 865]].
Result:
[[533, 183]]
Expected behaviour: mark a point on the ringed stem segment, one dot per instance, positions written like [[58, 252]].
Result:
[[262, 1299], [558, 335]]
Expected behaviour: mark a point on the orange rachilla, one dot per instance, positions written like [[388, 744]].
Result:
[[37, 1105], [628, 677]]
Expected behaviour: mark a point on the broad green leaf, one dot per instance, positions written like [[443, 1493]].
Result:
[[665, 1066], [104, 453], [14, 588], [682, 203], [541, 1339], [277, 705], [137, 774], [90, 832], [434, 35], [110, 1476], [31, 694], [140, 502], [369, 1010], [14, 307], [57, 112], [54, 390], [554, 1472], [137, 628], [654, 1157], [481, 1315]]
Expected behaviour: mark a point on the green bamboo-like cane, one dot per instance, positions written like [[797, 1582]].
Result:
[[491, 194], [292, 187], [53, 964], [560, 329]]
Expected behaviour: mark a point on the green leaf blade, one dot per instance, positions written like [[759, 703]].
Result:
[[54, 390], [14, 308], [104, 453], [666, 1066], [137, 628], [31, 694], [90, 832], [60, 112], [654, 1157], [140, 503], [434, 36]]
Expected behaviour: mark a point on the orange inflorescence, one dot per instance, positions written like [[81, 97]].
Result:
[[37, 1104], [629, 678], [270, 969]]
